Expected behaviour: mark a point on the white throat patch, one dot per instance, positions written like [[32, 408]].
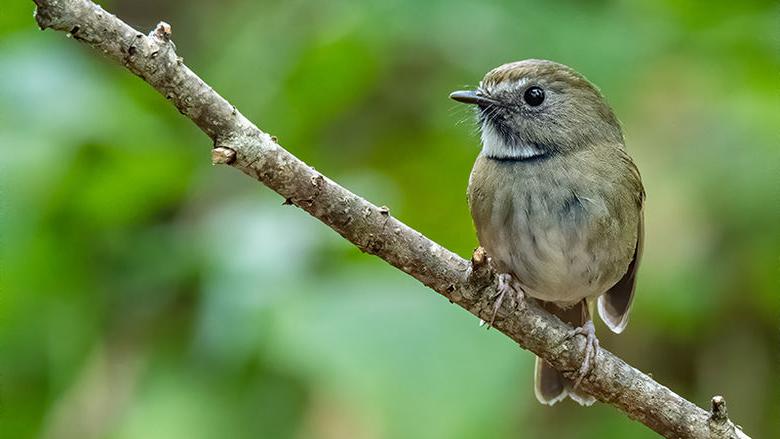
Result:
[[494, 146]]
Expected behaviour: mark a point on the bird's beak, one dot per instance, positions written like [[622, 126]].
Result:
[[471, 97]]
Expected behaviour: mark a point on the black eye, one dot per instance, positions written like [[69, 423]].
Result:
[[534, 96]]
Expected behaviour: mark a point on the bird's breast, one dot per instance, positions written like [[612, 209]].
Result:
[[548, 227]]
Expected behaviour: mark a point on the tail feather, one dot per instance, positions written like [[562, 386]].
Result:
[[550, 386], [580, 397]]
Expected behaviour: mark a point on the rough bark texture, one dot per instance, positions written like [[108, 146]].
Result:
[[373, 229]]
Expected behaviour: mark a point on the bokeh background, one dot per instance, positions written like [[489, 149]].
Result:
[[146, 294]]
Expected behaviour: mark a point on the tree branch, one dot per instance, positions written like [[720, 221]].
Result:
[[241, 144]]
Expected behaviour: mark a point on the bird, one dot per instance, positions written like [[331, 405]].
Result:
[[557, 203]]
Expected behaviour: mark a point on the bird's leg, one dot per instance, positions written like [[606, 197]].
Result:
[[588, 330], [505, 288]]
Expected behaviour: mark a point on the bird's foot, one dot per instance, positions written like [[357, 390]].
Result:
[[588, 330], [505, 288]]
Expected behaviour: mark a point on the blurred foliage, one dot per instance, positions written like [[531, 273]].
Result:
[[144, 293]]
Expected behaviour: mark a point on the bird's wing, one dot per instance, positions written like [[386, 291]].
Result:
[[615, 304]]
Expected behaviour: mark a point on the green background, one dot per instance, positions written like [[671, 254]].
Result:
[[146, 294]]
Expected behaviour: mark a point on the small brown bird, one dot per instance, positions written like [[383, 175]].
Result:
[[556, 201]]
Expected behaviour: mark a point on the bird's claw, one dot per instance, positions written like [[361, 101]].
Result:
[[588, 330], [504, 288]]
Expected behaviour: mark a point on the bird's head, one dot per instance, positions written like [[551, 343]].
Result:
[[535, 108]]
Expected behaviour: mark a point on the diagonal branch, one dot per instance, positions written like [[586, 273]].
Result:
[[241, 144]]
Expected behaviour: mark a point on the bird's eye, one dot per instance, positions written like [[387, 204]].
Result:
[[534, 96]]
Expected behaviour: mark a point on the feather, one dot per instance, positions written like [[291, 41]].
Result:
[[615, 304], [550, 386]]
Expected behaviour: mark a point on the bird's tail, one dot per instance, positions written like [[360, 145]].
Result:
[[550, 386]]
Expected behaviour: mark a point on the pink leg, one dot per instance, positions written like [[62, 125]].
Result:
[[591, 346], [504, 288]]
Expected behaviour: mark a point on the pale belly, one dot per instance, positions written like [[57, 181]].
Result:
[[561, 241], [553, 264]]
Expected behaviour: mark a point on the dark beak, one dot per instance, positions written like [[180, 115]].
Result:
[[471, 97]]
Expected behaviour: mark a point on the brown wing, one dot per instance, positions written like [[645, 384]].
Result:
[[615, 304]]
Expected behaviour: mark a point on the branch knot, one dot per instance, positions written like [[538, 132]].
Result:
[[162, 32], [222, 155]]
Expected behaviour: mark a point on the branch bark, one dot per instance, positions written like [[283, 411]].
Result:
[[373, 229]]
